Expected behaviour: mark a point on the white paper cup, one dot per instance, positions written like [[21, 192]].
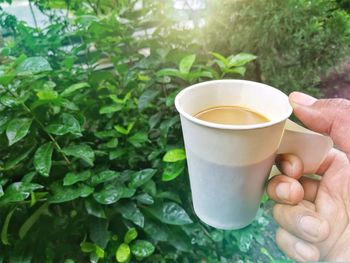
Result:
[[228, 164]]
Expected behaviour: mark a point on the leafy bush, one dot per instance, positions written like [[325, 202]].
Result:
[[92, 162], [297, 41]]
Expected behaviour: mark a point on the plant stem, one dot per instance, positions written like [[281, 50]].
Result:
[[32, 12], [43, 128], [50, 136], [93, 7], [68, 9]]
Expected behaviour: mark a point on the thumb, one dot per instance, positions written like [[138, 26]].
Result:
[[327, 116]]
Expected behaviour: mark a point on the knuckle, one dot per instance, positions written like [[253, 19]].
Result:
[[279, 237], [342, 104], [324, 231], [276, 211], [313, 255], [336, 112], [338, 104], [342, 109], [298, 217]]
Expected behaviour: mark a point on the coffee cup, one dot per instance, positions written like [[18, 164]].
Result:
[[229, 165]]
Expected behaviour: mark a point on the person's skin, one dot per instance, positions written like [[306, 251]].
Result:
[[314, 215]]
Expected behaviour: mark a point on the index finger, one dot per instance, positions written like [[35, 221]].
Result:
[[328, 116]]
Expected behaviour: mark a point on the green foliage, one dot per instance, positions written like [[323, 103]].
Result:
[[17, 129], [92, 163], [42, 159], [297, 41], [174, 155]]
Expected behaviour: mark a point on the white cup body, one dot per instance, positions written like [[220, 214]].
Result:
[[229, 164]]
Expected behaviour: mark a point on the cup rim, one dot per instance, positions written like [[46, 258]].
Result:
[[231, 126]]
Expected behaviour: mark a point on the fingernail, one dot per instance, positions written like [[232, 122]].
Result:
[[283, 191], [311, 225], [304, 250], [301, 99]]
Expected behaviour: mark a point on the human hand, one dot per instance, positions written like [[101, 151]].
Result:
[[314, 215]]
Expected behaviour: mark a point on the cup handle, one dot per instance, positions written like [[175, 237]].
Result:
[[310, 146]]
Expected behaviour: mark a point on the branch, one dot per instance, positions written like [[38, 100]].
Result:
[[42, 127], [32, 12]]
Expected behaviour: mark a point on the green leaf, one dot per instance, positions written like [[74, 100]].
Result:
[[124, 131], [67, 104], [100, 252], [143, 77], [111, 144], [17, 129], [120, 101], [42, 159], [138, 139], [87, 247], [123, 253], [117, 153], [27, 225], [186, 63], [18, 191], [98, 231], [93, 208], [4, 234], [72, 178], [145, 199], [104, 176], [141, 177], [131, 212], [73, 88], [241, 59], [174, 155], [18, 157], [170, 72], [179, 240], [68, 62], [9, 101], [239, 70], [81, 151], [158, 232], [150, 187], [169, 195], [66, 123], [47, 95], [1, 191], [173, 170], [199, 74], [27, 178], [34, 65], [220, 58], [142, 249], [169, 213], [3, 123], [130, 235], [146, 98], [167, 124], [154, 120], [67, 193], [111, 194], [106, 134], [111, 109], [6, 79]]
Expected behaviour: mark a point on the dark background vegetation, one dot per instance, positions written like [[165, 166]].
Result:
[[92, 167]]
